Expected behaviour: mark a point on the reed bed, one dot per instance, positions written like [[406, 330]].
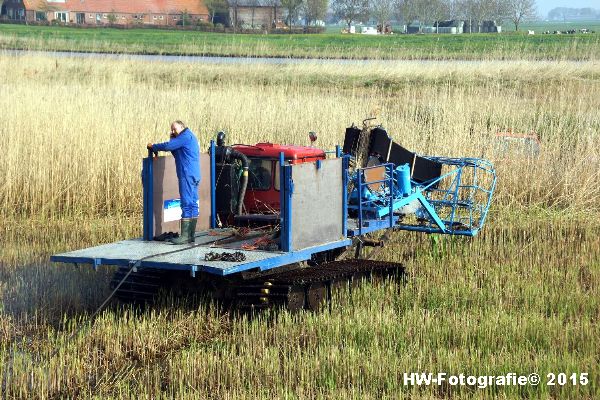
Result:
[[521, 297]]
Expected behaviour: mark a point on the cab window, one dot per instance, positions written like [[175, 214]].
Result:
[[259, 174], [276, 182]]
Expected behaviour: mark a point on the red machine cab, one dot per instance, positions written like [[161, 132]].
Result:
[[262, 194]]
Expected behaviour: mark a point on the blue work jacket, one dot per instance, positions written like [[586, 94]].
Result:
[[186, 151]]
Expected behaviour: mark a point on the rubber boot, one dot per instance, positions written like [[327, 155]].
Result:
[[184, 236], [193, 229]]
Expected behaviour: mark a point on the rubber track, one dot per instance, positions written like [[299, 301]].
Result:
[[140, 287], [307, 287], [336, 270]]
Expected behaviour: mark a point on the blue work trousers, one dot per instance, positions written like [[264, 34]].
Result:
[[188, 191]]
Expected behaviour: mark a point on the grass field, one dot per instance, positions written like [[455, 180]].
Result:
[[329, 45], [542, 26], [523, 296]]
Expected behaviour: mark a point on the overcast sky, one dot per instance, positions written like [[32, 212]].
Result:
[[544, 6]]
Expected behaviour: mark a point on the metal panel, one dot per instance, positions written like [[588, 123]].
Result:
[[133, 249], [317, 203], [204, 194], [187, 259], [195, 256], [166, 187]]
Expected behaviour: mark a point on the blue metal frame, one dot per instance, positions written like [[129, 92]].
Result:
[[368, 205], [148, 197], [474, 212], [282, 221], [371, 225], [454, 209], [274, 262], [284, 258], [289, 189], [345, 165], [213, 186]]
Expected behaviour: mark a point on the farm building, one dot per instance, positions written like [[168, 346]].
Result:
[[255, 13], [482, 27], [454, 27], [105, 12]]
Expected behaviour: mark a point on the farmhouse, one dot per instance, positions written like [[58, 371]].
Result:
[[105, 12]]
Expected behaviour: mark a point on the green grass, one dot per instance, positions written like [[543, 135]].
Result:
[[541, 26], [328, 45]]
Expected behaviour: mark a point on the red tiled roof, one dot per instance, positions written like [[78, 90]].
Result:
[[34, 4], [122, 6]]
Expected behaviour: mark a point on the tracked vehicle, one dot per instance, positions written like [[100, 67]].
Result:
[[287, 225]]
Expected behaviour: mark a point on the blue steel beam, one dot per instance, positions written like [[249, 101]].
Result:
[[148, 197], [213, 186]]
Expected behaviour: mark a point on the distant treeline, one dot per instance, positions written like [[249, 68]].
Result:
[[565, 13], [433, 11]]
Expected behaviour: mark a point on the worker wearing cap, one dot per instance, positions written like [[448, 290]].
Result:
[[184, 147]]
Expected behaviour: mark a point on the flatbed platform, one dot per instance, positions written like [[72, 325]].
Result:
[[190, 257]]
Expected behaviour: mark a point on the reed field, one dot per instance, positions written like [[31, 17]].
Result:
[[523, 296]]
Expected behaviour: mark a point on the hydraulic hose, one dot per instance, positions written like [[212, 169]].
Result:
[[244, 181], [224, 154]]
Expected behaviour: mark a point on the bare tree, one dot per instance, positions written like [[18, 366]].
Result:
[[414, 10], [314, 10], [453, 9], [215, 6], [253, 4], [382, 10], [233, 14], [438, 10], [427, 11], [499, 10], [520, 10], [292, 7], [406, 10], [351, 10], [476, 11]]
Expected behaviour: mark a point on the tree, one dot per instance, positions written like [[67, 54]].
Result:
[[478, 11], [292, 7], [438, 10], [185, 18], [351, 10], [214, 7], [233, 16], [314, 10], [408, 11], [253, 4], [499, 11], [453, 9], [382, 10], [112, 17], [520, 10], [429, 11]]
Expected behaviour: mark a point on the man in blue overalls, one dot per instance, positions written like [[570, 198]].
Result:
[[184, 147]]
